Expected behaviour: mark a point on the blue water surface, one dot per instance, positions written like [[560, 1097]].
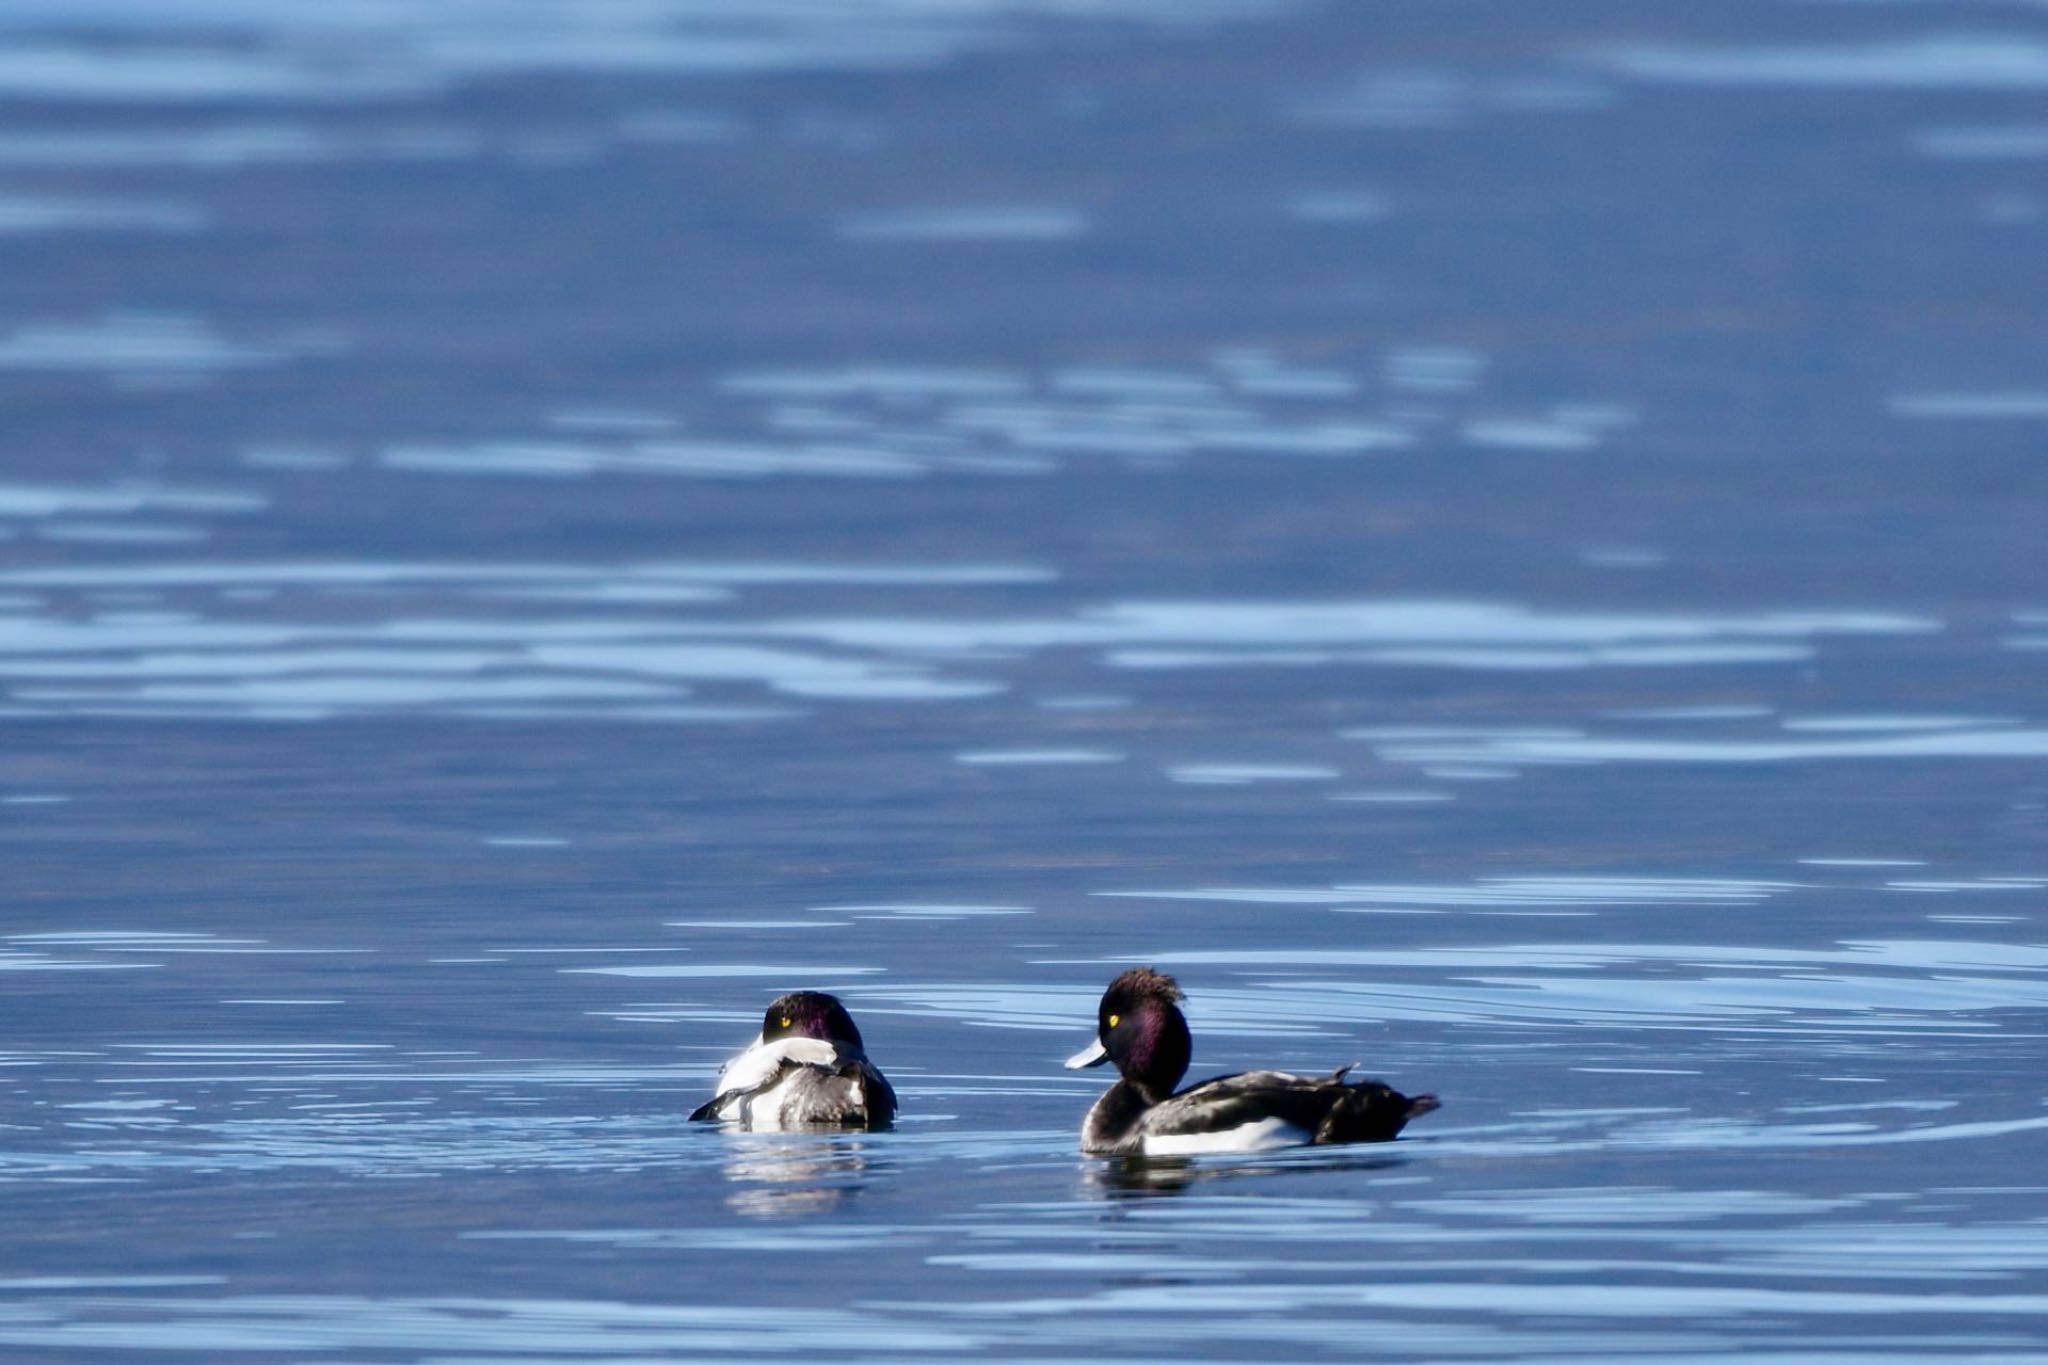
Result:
[[1502, 543]]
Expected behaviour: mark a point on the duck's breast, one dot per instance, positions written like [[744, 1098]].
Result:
[[852, 1094]]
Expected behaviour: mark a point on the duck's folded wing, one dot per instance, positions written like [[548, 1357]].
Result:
[[1249, 1110], [1277, 1108], [760, 1069], [709, 1110], [878, 1097]]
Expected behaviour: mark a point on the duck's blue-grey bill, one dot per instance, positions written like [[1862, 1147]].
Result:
[[1095, 1054]]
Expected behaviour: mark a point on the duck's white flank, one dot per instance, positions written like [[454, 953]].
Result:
[[1260, 1135]]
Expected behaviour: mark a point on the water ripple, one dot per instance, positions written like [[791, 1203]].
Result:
[[148, 345], [398, 643], [453, 1328], [1947, 739], [1941, 61], [210, 50], [1881, 987]]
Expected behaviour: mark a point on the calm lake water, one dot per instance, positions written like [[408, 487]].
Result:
[[1502, 542]]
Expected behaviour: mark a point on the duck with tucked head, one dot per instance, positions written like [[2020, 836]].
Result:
[[1139, 1026], [807, 1068]]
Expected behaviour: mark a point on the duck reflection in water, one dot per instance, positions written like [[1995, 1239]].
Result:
[[790, 1176], [1147, 1177]]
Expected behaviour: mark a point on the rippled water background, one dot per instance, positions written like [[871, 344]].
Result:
[[1504, 542]]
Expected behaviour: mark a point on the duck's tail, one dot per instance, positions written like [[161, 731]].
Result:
[[1371, 1111]]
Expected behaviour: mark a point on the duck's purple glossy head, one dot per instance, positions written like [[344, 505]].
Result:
[[810, 1014], [1139, 1026]]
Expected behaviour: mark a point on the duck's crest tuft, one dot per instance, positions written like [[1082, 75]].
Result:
[[1146, 983]]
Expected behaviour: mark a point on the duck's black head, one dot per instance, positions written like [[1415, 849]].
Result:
[[810, 1014], [1139, 1026]]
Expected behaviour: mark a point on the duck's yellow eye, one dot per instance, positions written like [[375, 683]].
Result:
[[785, 1021], [1115, 1019]]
